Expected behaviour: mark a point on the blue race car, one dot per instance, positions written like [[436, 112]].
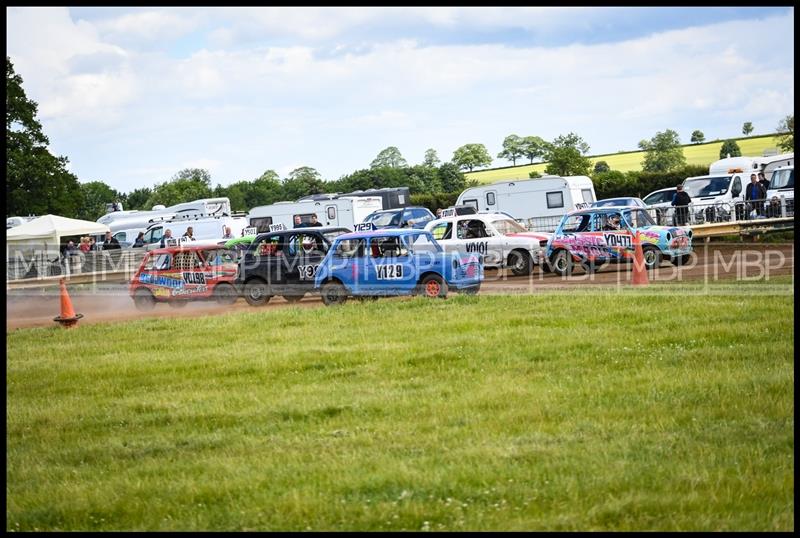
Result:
[[394, 262]]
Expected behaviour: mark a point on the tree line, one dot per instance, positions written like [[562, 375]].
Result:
[[39, 183]]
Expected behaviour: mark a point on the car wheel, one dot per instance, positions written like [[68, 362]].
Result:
[[520, 263], [433, 286], [178, 304], [561, 263], [293, 298], [256, 293], [225, 293], [333, 293], [652, 257], [144, 300]]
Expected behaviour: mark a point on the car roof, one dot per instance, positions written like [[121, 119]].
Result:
[[605, 209], [305, 230], [392, 232]]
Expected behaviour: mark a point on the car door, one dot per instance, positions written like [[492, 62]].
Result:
[[389, 267], [473, 238], [303, 253]]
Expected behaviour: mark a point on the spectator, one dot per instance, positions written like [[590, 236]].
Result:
[[85, 246], [681, 201], [71, 249], [228, 234], [189, 234], [167, 235], [314, 221], [438, 212], [763, 181], [139, 243], [298, 222], [756, 194], [111, 242]]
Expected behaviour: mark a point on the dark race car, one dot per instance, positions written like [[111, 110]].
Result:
[[283, 263]]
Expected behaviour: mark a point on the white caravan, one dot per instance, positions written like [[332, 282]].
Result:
[[715, 194], [529, 199], [343, 212]]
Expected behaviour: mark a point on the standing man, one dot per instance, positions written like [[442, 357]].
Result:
[[681, 201], [167, 235], [298, 222], [314, 221], [763, 181], [228, 234], [111, 242], [189, 234], [756, 194]]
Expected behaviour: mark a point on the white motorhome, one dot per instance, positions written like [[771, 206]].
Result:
[[714, 195], [140, 220], [342, 212], [780, 195], [528, 200]]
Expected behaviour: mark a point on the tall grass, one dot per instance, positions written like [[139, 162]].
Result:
[[617, 410], [701, 154]]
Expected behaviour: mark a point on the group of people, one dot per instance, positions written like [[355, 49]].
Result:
[[298, 222]]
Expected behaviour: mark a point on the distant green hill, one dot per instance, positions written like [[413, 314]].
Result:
[[702, 154]]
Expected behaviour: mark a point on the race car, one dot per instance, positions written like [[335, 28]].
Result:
[[499, 239], [283, 262], [183, 273], [394, 262], [596, 236]]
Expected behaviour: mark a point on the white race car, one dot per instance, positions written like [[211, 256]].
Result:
[[499, 239]]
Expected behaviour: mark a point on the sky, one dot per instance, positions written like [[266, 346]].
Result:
[[131, 96]]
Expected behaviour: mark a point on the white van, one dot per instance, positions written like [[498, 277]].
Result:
[[780, 195], [342, 212], [715, 195], [203, 228], [537, 203]]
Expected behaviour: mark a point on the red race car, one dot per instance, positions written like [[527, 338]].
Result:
[[188, 272]]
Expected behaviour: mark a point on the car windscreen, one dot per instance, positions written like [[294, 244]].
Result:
[[638, 218], [707, 186], [782, 179], [333, 234], [508, 226], [385, 219]]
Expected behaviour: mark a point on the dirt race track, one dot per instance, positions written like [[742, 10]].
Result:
[[711, 262]]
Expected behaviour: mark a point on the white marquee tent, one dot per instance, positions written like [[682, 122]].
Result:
[[50, 229]]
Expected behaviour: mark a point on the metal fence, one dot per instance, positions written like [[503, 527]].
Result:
[[42, 264], [695, 214]]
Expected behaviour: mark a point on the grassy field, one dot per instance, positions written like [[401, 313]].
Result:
[[703, 154], [661, 408]]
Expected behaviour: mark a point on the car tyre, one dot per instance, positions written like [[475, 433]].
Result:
[[143, 300], [225, 294], [520, 263], [333, 293], [433, 286], [652, 257], [256, 293], [561, 263]]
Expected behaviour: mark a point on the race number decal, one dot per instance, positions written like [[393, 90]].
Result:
[[581, 205], [389, 272], [618, 240], [363, 227], [308, 272], [479, 247], [277, 227], [250, 230]]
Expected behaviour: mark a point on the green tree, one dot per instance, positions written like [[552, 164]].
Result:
[[94, 197], [747, 128], [431, 158], [729, 149], [451, 177], [187, 185], [471, 155], [533, 174], [601, 166], [698, 137], [663, 152], [137, 199], [564, 156], [265, 190], [786, 138], [302, 182], [390, 158], [512, 149], [36, 181], [533, 147]]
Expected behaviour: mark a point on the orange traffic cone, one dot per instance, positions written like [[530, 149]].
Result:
[[639, 268], [68, 317]]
